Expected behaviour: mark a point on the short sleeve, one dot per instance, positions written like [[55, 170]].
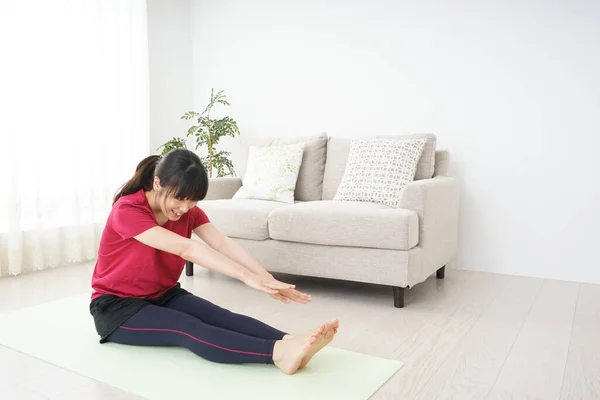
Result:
[[199, 217], [129, 220]]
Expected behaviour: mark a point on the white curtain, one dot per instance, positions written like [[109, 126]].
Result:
[[74, 123]]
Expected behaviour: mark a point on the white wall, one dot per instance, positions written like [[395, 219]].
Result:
[[170, 54], [511, 88]]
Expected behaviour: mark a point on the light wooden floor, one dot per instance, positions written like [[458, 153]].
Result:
[[470, 336]]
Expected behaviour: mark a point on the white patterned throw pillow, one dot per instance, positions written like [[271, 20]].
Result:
[[272, 173], [378, 169]]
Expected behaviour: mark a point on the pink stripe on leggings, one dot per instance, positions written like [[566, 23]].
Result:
[[196, 339]]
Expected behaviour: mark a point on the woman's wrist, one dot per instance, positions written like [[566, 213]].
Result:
[[245, 274], [264, 272]]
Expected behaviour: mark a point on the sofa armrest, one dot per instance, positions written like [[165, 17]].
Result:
[[436, 202], [223, 188]]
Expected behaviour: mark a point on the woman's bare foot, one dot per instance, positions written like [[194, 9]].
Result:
[[316, 331], [325, 337], [294, 351]]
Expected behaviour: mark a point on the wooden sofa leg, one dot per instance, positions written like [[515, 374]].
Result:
[[189, 268], [441, 273], [398, 297]]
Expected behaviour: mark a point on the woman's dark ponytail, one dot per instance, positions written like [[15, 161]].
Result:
[[142, 179]]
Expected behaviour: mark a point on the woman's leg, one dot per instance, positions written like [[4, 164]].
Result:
[[222, 318], [160, 326]]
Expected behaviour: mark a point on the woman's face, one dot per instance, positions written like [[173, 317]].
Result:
[[170, 206], [174, 208]]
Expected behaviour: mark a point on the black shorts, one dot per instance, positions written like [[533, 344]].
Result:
[[110, 312]]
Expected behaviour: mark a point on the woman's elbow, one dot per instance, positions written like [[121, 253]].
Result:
[[187, 249]]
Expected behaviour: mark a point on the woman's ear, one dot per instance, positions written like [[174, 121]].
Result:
[[156, 184]]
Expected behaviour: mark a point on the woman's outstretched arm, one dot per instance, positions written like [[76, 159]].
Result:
[[228, 247], [201, 254]]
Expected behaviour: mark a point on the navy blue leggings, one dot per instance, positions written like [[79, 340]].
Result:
[[208, 330]]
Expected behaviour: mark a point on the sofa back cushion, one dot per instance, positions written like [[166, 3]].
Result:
[[309, 185], [338, 150]]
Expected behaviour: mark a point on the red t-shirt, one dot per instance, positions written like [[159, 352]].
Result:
[[128, 268]]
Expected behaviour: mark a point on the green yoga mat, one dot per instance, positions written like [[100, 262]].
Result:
[[62, 333]]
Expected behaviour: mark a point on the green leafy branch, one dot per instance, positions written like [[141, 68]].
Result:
[[207, 132]]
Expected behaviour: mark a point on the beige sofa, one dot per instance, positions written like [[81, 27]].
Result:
[[356, 241]]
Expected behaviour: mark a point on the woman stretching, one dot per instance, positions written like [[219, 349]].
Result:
[[136, 298]]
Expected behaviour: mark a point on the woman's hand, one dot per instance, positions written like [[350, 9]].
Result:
[[287, 295], [266, 283], [281, 291]]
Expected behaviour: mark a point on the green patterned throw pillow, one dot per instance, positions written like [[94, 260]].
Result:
[[272, 173]]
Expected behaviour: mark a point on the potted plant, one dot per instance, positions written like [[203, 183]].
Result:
[[207, 132]]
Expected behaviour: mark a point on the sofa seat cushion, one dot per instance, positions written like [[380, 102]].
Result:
[[352, 224], [245, 219]]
